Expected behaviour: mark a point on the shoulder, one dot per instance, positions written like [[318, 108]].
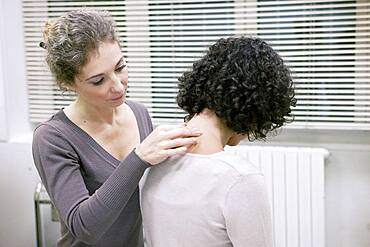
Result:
[[142, 115], [238, 164], [139, 110], [136, 106], [52, 126], [55, 131], [52, 142]]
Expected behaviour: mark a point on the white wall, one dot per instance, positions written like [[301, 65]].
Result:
[[13, 69], [347, 182], [348, 198], [347, 170], [17, 183], [17, 174], [3, 129]]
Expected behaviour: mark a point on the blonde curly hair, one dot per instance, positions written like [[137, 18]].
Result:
[[69, 39]]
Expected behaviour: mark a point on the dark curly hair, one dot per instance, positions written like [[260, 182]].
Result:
[[244, 82]]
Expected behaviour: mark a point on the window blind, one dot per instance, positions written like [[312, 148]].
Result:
[[325, 43]]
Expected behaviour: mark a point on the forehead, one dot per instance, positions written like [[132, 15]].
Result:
[[102, 59]]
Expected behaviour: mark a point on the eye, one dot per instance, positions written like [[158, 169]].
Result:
[[121, 67], [98, 82]]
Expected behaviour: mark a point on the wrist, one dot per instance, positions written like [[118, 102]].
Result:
[[140, 155]]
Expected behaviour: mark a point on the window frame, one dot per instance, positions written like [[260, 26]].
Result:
[[138, 90]]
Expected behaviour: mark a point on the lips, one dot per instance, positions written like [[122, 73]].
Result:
[[118, 97]]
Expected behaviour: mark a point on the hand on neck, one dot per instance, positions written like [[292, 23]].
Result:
[[215, 134]]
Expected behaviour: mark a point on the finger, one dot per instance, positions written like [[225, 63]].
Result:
[[182, 132], [173, 151], [168, 127], [190, 147], [161, 131], [179, 142]]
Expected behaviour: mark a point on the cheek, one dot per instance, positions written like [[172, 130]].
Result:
[[123, 77], [98, 93]]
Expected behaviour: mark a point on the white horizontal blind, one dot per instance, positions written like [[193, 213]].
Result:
[[326, 44]]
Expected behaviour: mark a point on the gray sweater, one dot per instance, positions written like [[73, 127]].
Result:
[[97, 196]]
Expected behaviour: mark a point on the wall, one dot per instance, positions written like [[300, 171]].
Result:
[[347, 170], [3, 130], [13, 68], [347, 181], [17, 183], [17, 174]]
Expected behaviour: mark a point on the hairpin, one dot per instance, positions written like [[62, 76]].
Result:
[[42, 45]]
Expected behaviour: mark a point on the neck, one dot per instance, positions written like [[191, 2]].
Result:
[[94, 114], [215, 134]]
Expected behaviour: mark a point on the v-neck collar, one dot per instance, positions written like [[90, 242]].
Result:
[[94, 143]]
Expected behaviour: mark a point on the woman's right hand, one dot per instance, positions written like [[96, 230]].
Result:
[[165, 141]]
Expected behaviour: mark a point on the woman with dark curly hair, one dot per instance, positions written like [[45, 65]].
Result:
[[240, 89]]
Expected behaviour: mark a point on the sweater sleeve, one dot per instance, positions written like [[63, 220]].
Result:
[[247, 213], [87, 217]]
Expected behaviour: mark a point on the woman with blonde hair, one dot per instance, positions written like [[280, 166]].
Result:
[[92, 154]]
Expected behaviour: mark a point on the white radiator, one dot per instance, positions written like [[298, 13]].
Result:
[[295, 182]]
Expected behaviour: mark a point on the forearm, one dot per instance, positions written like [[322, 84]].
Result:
[[91, 218], [119, 187]]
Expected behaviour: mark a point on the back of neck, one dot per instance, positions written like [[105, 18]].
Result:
[[215, 135]]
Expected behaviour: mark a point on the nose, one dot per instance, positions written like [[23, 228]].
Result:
[[117, 84]]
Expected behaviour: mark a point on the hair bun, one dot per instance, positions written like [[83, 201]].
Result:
[[47, 27]]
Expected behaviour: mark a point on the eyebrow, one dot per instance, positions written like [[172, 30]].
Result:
[[91, 77]]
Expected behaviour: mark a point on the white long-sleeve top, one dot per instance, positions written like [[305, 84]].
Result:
[[216, 200]]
